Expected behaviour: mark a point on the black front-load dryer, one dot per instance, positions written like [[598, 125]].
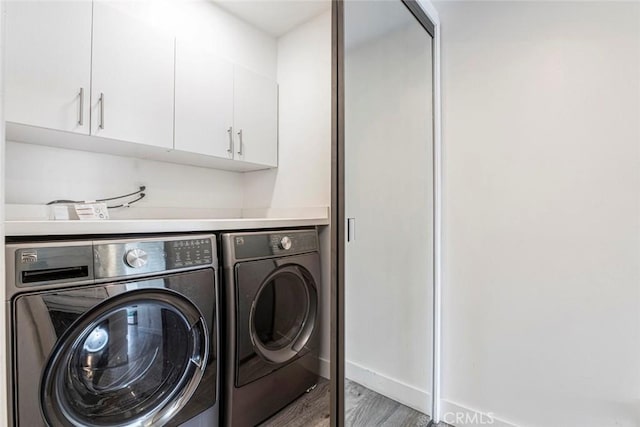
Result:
[[271, 287]]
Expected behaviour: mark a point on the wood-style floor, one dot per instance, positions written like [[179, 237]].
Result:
[[364, 408], [311, 409]]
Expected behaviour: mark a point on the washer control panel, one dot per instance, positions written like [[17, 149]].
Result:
[[102, 259], [145, 256], [136, 258], [188, 253]]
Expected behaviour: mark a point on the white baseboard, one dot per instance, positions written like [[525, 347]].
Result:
[[459, 416], [453, 413], [406, 394]]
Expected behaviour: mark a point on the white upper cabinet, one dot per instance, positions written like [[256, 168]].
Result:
[[224, 110], [48, 64], [255, 118], [132, 94], [114, 73], [204, 102]]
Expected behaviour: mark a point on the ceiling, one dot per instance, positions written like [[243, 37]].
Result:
[[275, 17]]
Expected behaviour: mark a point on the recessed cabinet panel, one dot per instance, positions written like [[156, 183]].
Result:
[[48, 64], [133, 79], [255, 117], [204, 102]]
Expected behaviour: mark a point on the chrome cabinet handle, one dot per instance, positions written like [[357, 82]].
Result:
[[101, 126], [230, 132], [81, 110], [240, 140]]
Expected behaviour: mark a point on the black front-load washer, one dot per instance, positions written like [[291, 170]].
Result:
[[114, 333], [271, 294]]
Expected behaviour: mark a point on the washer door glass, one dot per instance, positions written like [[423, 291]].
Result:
[[283, 314], [134, 359]]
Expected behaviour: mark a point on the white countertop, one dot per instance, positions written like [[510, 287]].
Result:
[[270, 218]]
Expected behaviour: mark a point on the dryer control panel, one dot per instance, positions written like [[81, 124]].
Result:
[[268, 244]]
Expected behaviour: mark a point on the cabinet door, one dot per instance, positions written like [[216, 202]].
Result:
[[204, 102], [133, 79], [255, 118], [48, 64]]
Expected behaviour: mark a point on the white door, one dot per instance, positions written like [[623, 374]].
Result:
[[255, 118], [204, 102], [133, 79], [48, 64]]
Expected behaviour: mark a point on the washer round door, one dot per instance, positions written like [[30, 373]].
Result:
[[134, 359]]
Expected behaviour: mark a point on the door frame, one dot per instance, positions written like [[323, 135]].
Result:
[[426, 14]]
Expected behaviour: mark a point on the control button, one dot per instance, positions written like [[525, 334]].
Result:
[[285, 243], [136, 258]]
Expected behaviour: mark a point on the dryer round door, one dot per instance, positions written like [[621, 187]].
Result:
[[133, 360], [283, 314]]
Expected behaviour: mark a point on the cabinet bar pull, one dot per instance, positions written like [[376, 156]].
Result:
[[230, 132], [240, 140], [101, 126], [81, 111]]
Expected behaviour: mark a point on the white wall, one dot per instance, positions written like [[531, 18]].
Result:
[[541, 299], [388, 184], [37, 174], [303, 176]]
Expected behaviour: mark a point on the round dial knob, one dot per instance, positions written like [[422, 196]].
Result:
[[285, 243], [136, 258]]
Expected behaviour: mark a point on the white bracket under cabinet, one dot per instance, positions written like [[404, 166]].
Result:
[[54, 138]]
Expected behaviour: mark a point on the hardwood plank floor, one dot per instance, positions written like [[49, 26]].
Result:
[[364, 408], [311, 409]]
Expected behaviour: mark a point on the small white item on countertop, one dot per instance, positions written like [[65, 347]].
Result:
[[92, 211]]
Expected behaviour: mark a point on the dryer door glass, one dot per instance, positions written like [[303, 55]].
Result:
[[276, 313], [283, 314], [136, 358], [280, 311]]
